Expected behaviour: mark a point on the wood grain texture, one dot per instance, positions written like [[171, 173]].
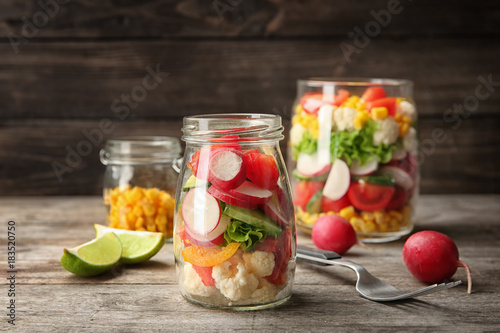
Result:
[[463, 160], [82, 80], [145, 297], [248, 18]]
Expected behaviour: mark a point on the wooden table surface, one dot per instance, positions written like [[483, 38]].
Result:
[[145, 297]]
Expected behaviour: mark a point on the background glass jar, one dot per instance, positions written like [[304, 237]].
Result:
[[234, 233], [353, 152], [140, 182]]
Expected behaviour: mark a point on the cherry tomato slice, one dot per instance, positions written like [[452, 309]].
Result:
[[372, 94], [370, 197], [281, 259], [312, 102], [398, 199], [329, 205], [262, 170], [304, 191], [341, 97], [388, 102]]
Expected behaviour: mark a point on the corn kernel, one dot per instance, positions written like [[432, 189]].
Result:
[[403, 129], [356, 223], [150, 223], [152, 194], [149, 209], [379, 217], [134, 195], [139, 223], [347, 212], [361, 118], [383, 227], [398, 117], [161, 211], [367, 216], [368, 227], [380, 112], [137, 210], [161, 222], [397, 215], [361, 106], [131, 217]]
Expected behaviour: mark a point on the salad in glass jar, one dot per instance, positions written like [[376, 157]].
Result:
[[234, 231], [353, 152]]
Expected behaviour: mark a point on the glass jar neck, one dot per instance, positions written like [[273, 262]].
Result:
[[140, 150], [329, 87], [247, 128]]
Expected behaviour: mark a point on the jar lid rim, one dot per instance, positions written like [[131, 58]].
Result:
[[140, 150], [249, 127], [354, 81]]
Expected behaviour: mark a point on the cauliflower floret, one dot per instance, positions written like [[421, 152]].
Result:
[[234, 281], [408, 109], [260, 263], [387, 132], [343, 118], [410, 141], [296, 133], [266, 292], [193, 283]]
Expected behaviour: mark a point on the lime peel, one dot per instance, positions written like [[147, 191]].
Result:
[[94, 257], [138, 246]]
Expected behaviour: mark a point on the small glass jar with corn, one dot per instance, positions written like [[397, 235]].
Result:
[[140, 182]]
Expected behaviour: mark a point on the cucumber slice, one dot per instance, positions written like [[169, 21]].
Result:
[[254, 217], [300, 177], [314, 204], [384, 180], [193, 182]]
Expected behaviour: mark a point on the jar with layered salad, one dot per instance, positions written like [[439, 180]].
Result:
[[140, 182], [234, 231], [353, 152]]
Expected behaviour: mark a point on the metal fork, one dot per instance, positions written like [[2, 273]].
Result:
[[367, 285]]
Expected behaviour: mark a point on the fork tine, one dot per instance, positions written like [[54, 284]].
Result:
[[429, 290]]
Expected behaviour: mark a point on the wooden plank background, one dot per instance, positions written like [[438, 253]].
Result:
[[234, 56]]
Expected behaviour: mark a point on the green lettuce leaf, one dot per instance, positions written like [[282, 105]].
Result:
[[349, 145], [244, 233]]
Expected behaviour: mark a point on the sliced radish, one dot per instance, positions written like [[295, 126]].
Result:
[[401, 177], [200, 211], [272, 210], [308, 165], [318, 163], [364, 170], [213, 238], [227, 169], [228, 198], [338, 181], [248, 191], [398, 154]]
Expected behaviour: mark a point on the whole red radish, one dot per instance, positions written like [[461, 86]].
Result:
[[432, 257], [333, 233]]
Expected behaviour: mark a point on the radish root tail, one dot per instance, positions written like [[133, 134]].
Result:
[[469, 276]]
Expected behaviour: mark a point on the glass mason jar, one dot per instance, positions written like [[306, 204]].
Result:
[[353, 152], [234, 230], [140, 182]]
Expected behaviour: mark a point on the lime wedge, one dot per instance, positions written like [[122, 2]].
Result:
[[138, 246], [94, 257]]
